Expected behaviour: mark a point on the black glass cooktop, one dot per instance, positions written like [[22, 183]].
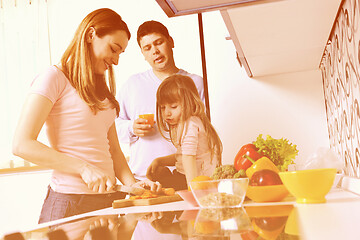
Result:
[[248, 223]]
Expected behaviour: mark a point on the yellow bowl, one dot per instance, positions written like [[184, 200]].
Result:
[[291, 226], [271, 193], [309, 186]]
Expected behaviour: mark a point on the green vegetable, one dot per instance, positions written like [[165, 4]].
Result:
[[280, 151], [240, 174], [224, 172]]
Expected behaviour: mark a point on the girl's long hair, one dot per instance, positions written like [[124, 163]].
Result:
[[77, 64], [182, 89]]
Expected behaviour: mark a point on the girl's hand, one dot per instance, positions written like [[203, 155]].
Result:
[[141, 128], [153, 168], [96, 179], [148, 184]]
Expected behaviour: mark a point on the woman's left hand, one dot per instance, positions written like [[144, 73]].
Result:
[[148, 184]]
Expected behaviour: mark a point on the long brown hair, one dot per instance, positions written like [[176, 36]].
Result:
[[76, 61], [182, 89]]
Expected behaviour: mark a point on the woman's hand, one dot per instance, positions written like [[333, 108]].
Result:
[[148, 184], [141, 128], [96, 179]]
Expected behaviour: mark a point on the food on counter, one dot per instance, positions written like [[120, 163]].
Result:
[[220, 214], [168, 191], [146, 194], [280, 151], [219, 199], [260, 164], [150, 194], [207, 227], [240, 174], [265, 177], [200, 185], [227, 172], [241, 162], [267, 234], [270, 223]]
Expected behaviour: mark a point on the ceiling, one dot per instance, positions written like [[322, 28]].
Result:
[[273, 37]]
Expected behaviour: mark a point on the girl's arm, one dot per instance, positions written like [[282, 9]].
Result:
[[159, 163], [189, 164], [121, 168], [25, 145], [168, 160]]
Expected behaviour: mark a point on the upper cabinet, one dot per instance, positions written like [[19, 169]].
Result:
[[270, 37]]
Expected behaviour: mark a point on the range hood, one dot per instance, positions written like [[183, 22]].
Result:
[[174, 8], [270, 37]]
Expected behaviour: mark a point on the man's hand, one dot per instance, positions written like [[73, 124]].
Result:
[[142, 128]]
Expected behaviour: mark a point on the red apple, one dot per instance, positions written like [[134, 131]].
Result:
[[265, 177]]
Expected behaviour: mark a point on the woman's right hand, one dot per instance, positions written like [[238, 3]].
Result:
[[141, 128], [96, 179]]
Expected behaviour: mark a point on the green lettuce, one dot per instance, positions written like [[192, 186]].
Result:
[[280, 151]]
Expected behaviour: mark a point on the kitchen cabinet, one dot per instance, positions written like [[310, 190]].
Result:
[[270, 37]]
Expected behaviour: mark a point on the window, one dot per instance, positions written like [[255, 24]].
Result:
[[24, 51]]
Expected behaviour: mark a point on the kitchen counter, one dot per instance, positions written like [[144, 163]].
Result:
[[338, 218]]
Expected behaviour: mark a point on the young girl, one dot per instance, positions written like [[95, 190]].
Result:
[[181, 116], [76, 99]]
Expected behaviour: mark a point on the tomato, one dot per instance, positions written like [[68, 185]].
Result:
[[240, 162], [271, 223], [265, 177]]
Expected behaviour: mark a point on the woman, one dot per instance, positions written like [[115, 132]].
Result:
[[76, 100]]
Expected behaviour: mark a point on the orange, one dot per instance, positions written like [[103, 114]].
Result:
[[149, 117], [200, 179]]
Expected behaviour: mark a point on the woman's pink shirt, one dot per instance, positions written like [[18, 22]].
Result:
[[73, 129]]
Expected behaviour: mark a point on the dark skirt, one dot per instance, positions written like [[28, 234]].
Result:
[[60, 205]]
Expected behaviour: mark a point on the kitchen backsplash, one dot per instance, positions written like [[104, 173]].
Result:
[[340, 68]]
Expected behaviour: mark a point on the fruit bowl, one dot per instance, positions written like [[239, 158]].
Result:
[[271, 193], [220, 193], [309, 186]]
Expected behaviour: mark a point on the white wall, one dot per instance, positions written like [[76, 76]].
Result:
[[289, 105]]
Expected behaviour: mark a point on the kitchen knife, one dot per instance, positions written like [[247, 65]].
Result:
[[130, 190]]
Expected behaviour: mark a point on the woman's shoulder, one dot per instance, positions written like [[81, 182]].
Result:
[[52, 72], [50, 80]]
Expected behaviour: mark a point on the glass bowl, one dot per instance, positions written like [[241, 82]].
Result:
[[220, 193]]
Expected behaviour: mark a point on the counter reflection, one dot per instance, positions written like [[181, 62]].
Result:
[[248, 223]]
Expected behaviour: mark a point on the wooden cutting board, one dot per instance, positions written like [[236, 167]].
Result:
[[144, 202]]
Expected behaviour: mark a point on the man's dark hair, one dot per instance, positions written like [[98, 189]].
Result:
[[149, 27]]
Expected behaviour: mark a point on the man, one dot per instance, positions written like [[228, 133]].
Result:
[[138, 96]]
